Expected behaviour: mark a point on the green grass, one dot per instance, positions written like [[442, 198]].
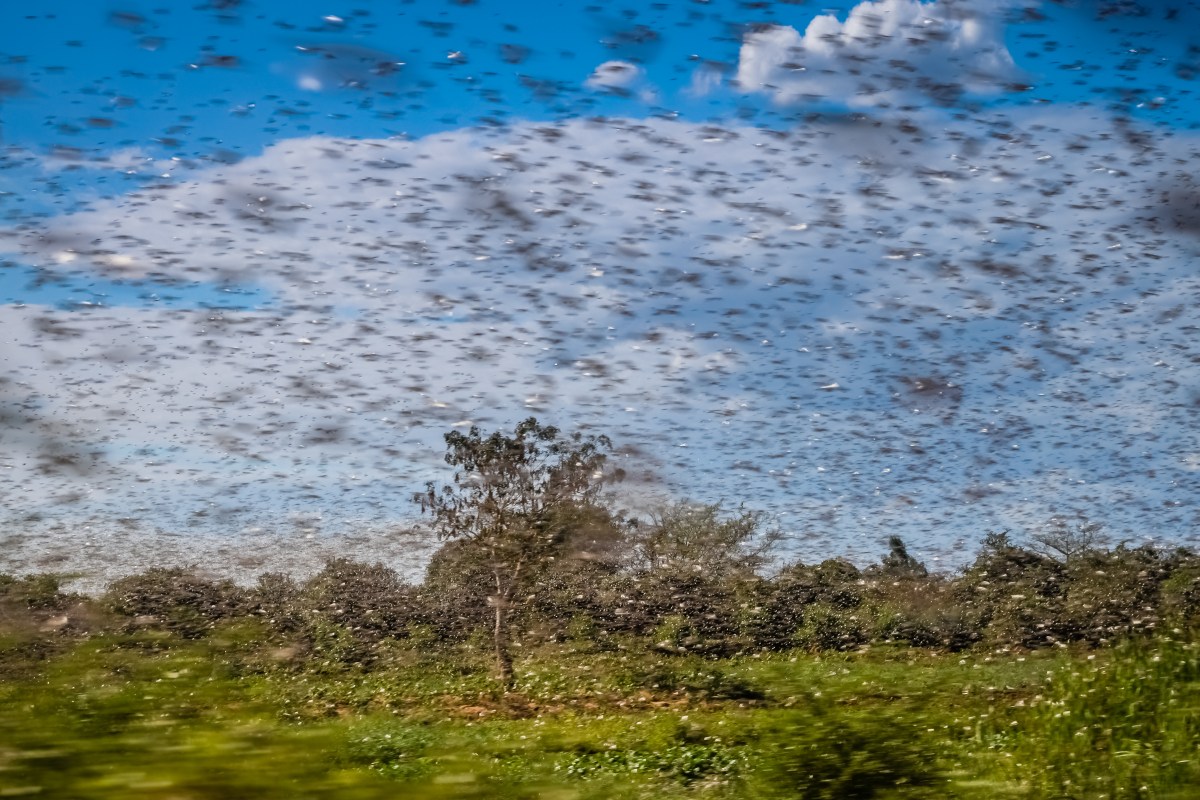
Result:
[[235, 715], [1123, 723]]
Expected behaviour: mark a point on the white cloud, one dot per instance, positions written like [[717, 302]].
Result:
[[622, 77], [615, 75], [706, 79], [885, 53]]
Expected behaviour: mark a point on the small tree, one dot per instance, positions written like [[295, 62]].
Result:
[[686, 537], [898, 563], [512, 500], [1062, 542], [697, 567]]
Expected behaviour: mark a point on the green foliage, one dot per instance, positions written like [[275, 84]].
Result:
[[828, 627], [681, 761], [41, 592], [394, 749], [152, 716], [517, 501], [686, 538], [1124, 724], [826, 753]]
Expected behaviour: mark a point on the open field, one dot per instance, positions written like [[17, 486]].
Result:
[[94, 704]]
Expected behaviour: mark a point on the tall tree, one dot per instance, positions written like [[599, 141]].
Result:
[[511, 500]]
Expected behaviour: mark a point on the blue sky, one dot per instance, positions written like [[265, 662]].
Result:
[[874, 268], [208, 81]]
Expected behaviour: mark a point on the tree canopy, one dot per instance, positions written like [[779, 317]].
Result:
[[513, 500]]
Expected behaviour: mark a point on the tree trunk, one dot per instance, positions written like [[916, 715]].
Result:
[[504, 663]]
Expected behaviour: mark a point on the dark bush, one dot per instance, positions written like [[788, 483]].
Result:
[[1015, 593], [36, 592], [1111, 594], [827, 627], [1179, 594], [600, 590], [923, 612], [455, 593], [784, 602], [1087, 594], [38, 620], [688, 612], [580, 581], [278, 599], [177, 600], [587, 595], [369, 600]]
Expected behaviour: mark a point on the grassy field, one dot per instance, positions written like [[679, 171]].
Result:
[[144, 713]]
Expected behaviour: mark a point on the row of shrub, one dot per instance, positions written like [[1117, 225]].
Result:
[[1009, 596]]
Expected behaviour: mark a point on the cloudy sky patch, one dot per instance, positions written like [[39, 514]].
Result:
[[848, 275]]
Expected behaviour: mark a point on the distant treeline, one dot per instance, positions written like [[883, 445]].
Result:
[[694, 580]]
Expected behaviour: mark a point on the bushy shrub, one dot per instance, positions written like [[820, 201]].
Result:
[[455, 592], [1094, 595], [704, 613], [570, 595], [1111, 594], [36, 592], [1015, 593], [351, 607], [369, 599], [799, 605], [276, 597], [922, 612], [827, 627], [1179, 594], [38, 620], [176, 599]]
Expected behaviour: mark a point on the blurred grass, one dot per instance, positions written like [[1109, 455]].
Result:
[[1123, 723], [235, 714]]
